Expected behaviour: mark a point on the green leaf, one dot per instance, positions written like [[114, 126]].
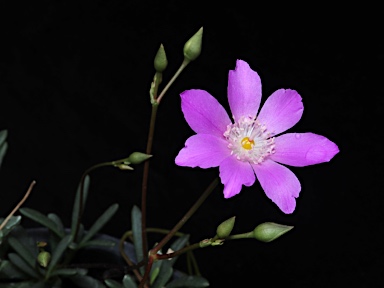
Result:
[[165, 274], [100, 222], [177, 245], [38, 285], [41, 219], [155, 270], [24, 284], [87, 282], [53, 238], [189, 281], [65, 272], [128, 282], [22, 251], [12, 222], [22, 265], [3, 144], [59, 224], [76, 204], [9, 271], [3, 136], [3, 150], [113, 284], [53, 241], [136, 233], [180, 242], [20, 233], [99, 242], [58, 252]]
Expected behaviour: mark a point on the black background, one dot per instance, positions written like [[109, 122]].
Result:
[[74, 82]]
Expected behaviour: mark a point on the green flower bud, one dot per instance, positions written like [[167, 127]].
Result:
[[137, 158], [192, 48], [269, 231], [225, 228], [124, 167], [43, 258], [41, 244], [217, 242], [160, 61]]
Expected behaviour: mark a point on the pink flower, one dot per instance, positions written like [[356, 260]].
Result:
[[250, 145]]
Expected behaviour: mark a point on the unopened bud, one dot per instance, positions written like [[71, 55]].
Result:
[[124, 167], [43, 258], [137, 157], [269, 231], [225, 228], [192, 48], [160, 61], [41, 244]]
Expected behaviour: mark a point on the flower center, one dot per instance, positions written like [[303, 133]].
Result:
[[249, 140], [247, 143]]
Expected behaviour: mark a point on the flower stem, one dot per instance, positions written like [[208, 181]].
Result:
[[181, 68], [179, 252], [125, 256], [81, 200], [153, 253], [18, 205], [144, 187], [240, 236], [151, 132], [188, 215], [146, 274], [198, 245]]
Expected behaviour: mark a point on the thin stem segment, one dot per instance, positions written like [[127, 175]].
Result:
[[181, 68], [188, 215], [144, 188], [81, 200], [18, 205], [153, 253]]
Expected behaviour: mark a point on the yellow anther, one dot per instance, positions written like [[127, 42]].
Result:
[[247, 143]]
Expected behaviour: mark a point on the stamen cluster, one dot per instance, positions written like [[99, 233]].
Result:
[[249, 140]]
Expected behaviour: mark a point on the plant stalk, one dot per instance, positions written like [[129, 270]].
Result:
[[187, 215]]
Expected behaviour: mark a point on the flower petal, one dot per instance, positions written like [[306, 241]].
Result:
[[279, 184], [204, 113], [203, 150], [244, 90], [302, 149], [234, 174], [281, 111]]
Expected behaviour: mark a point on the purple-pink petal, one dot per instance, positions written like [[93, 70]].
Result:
[[234, 174], [302, 149], [244, 91], [279, 184], [204, 151], [204, 113], [281, 111]]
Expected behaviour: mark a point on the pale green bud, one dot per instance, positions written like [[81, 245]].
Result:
[[192, 48], [41, 244], [43, 258], [217, 242], [269, 231], [124, 167], [225, 228], [137, 158], [160, 61]]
